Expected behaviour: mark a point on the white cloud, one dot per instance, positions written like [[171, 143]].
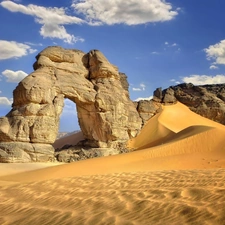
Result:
[[58, 31], [139, 99], [14, 76], [175, 81], [216, 53], [96, 12], [204, 79], [140, 88], [12, 49], [34, 44], [52, 19], [136, 89], [130, 12], [155, 53], [170, 45], [213, 67], [69, 108], [6, 101]]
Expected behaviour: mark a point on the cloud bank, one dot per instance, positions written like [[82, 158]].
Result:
[[6, 101], [216, 53], [52, 20], [129, 12], [14, 76], [204, 79], [12, 49], [141, 87], [93, 12], [69, 108], [139, 99]]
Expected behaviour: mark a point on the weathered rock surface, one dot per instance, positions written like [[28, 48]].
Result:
[[78, 153], [106, 115], [205, 100], [147, 109], [25, 152]]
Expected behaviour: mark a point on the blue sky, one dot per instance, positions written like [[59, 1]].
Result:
[[156, 43]]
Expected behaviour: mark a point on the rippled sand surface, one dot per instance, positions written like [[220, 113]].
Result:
[[159, 197], [176, 175]]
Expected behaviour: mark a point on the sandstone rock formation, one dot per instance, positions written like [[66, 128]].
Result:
[[106, 115]]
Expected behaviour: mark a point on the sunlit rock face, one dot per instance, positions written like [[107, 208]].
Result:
[[106, 115]]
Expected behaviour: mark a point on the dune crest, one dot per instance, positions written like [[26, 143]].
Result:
[[174, 123]]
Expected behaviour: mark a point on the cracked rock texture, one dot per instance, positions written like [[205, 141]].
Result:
[[106, 115]]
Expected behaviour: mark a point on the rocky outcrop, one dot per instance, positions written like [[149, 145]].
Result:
[[106, 115], [205, 100], [78, 153], [165, 97], [147, 109]]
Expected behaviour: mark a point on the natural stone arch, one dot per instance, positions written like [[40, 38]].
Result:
[[106, 115]]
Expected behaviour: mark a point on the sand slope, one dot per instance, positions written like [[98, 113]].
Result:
[[175, 122], [191, 142], [68, 140], [176, 176]]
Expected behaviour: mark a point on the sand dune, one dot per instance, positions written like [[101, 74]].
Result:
[[173, 122], [68, 140], [175, 176]]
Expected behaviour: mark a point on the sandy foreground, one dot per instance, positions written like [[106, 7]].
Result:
[[175, 176]]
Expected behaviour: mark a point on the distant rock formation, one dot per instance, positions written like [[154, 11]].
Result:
[[106, 115], [205, 100], [65, 134]]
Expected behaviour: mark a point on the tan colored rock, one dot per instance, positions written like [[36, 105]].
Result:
[[11, 152], [147, 109], [106, 114]]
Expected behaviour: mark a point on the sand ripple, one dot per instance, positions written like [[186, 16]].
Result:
[[159, 197]]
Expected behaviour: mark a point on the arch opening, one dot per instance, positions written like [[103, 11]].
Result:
[[68, 118], [69, 132]]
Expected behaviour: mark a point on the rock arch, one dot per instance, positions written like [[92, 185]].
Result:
[[106, 114]]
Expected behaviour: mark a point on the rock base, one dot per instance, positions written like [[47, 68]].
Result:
[[76, 153], [22, 152]]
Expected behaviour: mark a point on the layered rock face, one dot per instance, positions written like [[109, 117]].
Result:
[[106, 115]]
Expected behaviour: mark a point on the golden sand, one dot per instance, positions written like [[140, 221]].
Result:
[[175, 176]]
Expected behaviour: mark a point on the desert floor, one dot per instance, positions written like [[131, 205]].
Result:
[[175, 175]]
